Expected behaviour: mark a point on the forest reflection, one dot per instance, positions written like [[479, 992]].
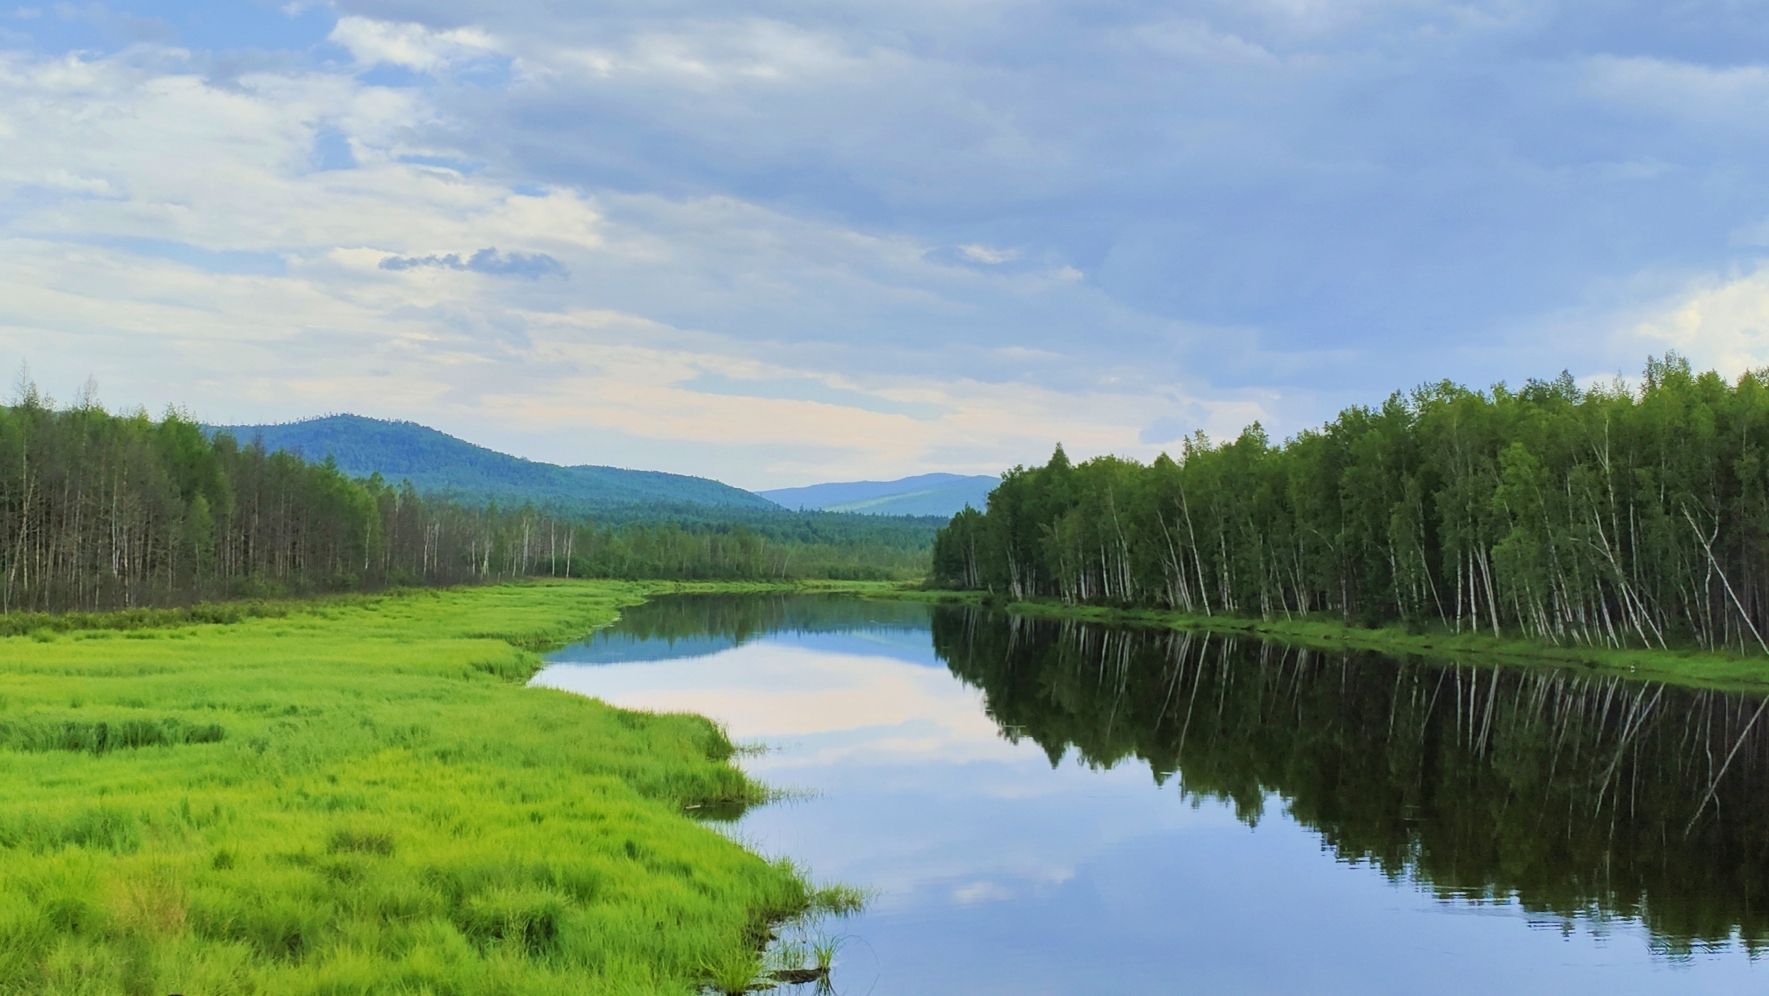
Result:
[[699, 625], [1582, 796]]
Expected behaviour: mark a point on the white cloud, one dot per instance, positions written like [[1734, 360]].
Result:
[[699, 54], [410, 46], [988, 255], [139, 134], [1720, 324]]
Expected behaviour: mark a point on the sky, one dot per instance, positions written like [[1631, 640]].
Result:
[[791, 241]]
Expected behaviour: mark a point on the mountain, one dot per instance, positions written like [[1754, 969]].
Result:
[[438, 463], [925, 494]]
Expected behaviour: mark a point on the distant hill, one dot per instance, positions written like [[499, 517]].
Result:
[[925, 494], [438, 463]]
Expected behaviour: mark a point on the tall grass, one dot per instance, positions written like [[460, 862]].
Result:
[[359, 796]]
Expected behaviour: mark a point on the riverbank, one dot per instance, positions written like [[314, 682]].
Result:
[[358, 794], [1692, 668]]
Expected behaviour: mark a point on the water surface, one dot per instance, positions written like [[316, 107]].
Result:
[[1043, 807]]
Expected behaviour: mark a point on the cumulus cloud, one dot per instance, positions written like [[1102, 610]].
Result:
[[1718, 324], [531, 265]]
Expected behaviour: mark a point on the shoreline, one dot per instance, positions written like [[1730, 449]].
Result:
[[1691, 668]]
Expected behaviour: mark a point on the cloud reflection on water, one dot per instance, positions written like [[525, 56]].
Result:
[[995, 871]]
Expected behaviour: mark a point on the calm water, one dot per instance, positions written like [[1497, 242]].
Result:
[[1058, 808]]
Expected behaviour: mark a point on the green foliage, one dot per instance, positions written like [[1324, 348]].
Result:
[[441, 465], [103, 736], [357, 795], [1607, 517], [808, 546], [100, 511], [735, 972], [838, 900], [823, 952]]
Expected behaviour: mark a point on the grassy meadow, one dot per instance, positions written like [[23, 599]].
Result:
[[359, 795]]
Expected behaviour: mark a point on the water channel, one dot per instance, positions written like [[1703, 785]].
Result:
[[1043, 807]]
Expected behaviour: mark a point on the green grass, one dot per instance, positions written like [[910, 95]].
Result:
[[1688, 667], [823, 952], [357, 795], [737, 972]]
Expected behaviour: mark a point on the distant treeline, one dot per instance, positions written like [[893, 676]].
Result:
[[1614, 515], [100, 511]]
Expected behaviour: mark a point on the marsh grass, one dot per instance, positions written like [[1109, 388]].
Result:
[[823, 952], [736, 972], [797, 958], [102, 736], [838, 900], [359, 796]]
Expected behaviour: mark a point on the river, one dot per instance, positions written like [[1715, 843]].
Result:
[[1042, 807]]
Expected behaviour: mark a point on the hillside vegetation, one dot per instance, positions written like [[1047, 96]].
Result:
[[100, 511], [441, 465], [1604, 517]]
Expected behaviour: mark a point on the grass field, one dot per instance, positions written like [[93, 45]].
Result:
[[359, 795]]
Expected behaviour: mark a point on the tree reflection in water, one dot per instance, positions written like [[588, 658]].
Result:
[[1584, 796]]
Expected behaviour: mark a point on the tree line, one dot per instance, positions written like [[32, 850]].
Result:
[[99, 510], [1612, 515]]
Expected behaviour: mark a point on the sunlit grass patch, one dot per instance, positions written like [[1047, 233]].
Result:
[[361, 797]]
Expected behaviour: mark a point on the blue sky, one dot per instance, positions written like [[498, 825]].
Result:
[[791, 241]]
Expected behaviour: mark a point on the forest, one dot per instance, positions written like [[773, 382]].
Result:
[[1619, 515], [99, 511]]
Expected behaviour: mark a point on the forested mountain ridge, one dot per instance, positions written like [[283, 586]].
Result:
[[923, 494], [100, 511], [1615, 515], [440, 464]]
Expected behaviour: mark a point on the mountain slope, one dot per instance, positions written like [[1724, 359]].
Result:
[[924, 494], [437, 463]]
